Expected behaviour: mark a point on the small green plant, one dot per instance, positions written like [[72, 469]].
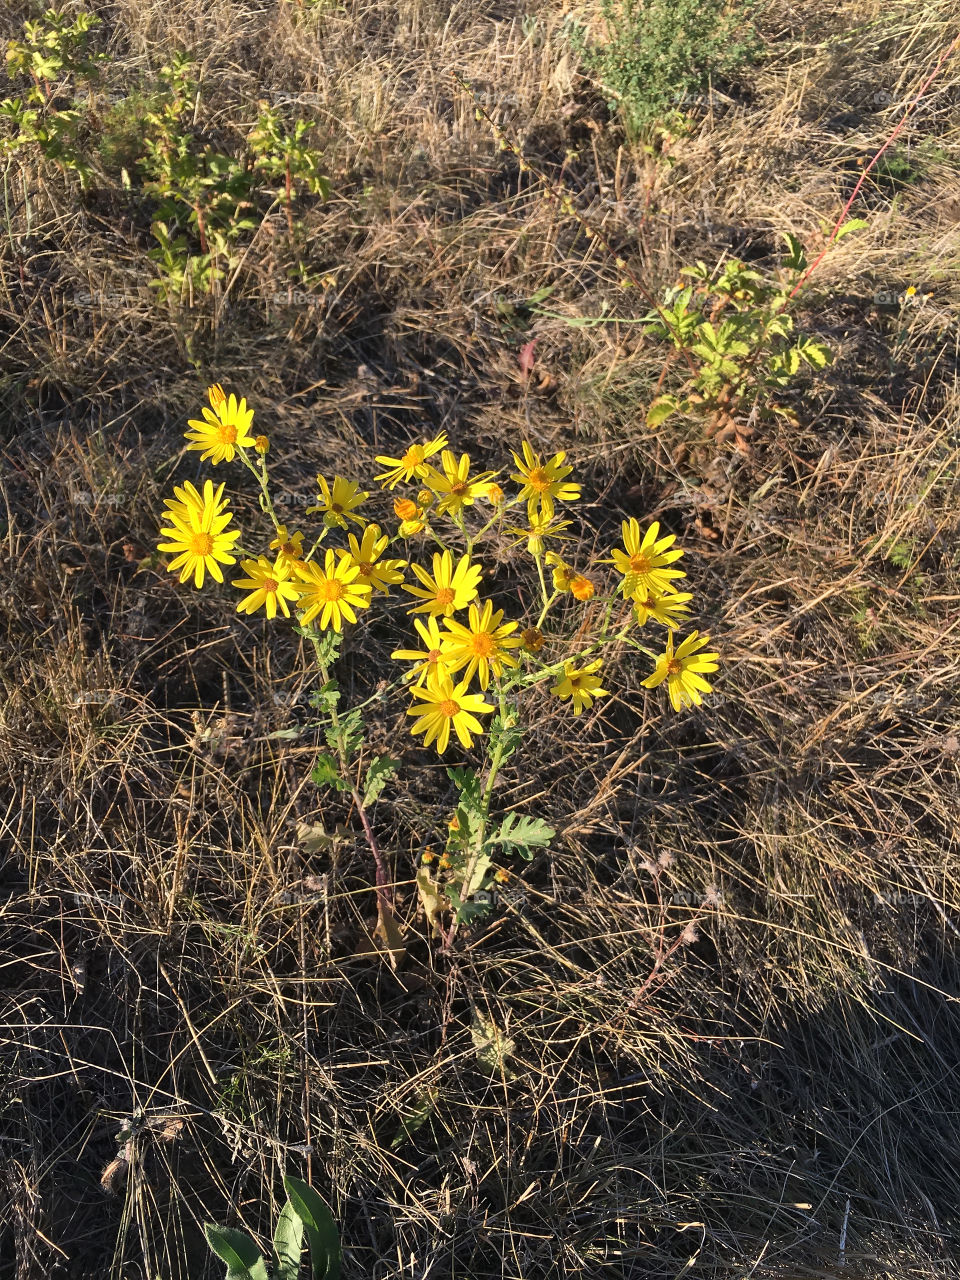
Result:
[[303, 1214], [738, 343], [659, 55], [53, 56]]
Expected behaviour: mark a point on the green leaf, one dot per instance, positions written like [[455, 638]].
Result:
[[287, 1244], [660, 410], [816, 354], [468, 784], [410, 1123], [796, 260], [522, 833], [238, 1251], [467, 912], [322, 1234], [347, 736], [852, 224], [381, 769], [325, 773], [505, 732]]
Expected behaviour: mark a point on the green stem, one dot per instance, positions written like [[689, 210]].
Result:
[[384, 897]]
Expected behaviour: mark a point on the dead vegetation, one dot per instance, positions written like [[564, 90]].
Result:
[[713, 1031]]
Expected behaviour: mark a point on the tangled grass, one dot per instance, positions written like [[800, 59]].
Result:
[[713, 1029]]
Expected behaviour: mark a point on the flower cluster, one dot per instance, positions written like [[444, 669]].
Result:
[[326, 587]]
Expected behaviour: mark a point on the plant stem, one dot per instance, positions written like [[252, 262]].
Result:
[[384, 896]]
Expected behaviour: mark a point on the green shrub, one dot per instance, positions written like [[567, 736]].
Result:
[[660, 54]]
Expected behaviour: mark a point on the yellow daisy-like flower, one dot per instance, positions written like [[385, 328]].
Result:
[[411, 517], [268, 584], [540, 528], [543, 483], [494, 494], [333, 592], [582, 686], [483, 645], [289, 546], [683, 671], [453, 486], [449, 589], [430, 662], [226, 428], [413, 463], [661, 607], [644, 561], [338, 504], [365, 555], [444, 704], [188, 498], [199, 533]]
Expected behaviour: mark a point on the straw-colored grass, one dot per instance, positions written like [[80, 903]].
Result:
[[714, 1031]]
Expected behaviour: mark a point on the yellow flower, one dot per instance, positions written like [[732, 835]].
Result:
[[581, 587], [449, 589], [268, 584], [644, 561], [431, 663], [452, 485], [482, 646], [198, 534], [332, 592], [261, 444], [289, 546], [413, 462], [563, 573], [338, 503], [494, 494], [582, 686], [225, 429], [541, 527], [543, 482], [411, 517], [444, 704], [365, 554], [661, 606], [683, 671]]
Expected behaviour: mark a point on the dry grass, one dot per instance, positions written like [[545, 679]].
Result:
[[775, 1098]]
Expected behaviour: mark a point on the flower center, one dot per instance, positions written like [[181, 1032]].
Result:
[[449, 708], [674, 667], [459, 489], [288, 548], [227, 433], [413, 457], [538, 479], [201, 544], [640, 563], [445, 596], [330, 589], [532, 639], [337, 507], [433, 655], [482, 644], [365, 567]]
